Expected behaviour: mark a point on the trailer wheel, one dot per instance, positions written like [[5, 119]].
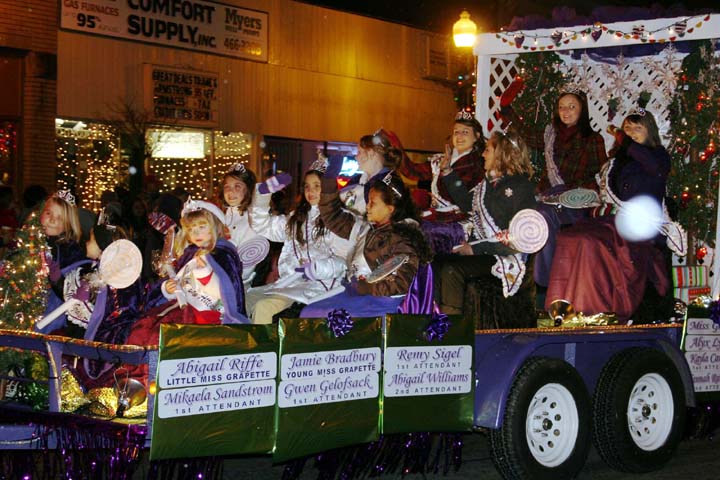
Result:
[[639, 411], [545, 433]]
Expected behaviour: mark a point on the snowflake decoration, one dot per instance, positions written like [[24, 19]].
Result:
[[508, 192], [618, 79], [581, 74]]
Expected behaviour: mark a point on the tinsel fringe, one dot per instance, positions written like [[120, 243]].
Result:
[[408, 453], [208, 468], [86, 448]]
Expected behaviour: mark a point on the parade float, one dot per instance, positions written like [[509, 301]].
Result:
[[371, 390]]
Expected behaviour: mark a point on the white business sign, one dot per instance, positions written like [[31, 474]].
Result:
[[191, 24]]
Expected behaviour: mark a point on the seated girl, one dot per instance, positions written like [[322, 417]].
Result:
[[505, 190], [313, 259], [594, 268], [60, 223], [105, 314], [389, 231], [207, 288]]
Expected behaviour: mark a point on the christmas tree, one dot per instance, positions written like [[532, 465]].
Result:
[[23, 290], [693, 182], [23, 278]]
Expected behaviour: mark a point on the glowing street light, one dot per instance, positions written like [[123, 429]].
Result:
[[464, 31]]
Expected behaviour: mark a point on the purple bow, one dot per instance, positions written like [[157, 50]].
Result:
[[438, 327], [339, 322]]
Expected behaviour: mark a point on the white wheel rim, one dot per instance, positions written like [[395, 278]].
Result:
[[650, 411], [551, 425]]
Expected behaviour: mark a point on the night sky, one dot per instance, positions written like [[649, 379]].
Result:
[[490, 15]]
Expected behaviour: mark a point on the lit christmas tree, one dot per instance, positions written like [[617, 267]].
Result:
[[694, 135], [23, 293], [23, 278]]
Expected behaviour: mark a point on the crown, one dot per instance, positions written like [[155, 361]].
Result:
[[387, 180], [196, 205], [238, 169], [320, 163], [639, 111], [66, 196], [381, 138], [504, 133], [571, 88], [464, 115]]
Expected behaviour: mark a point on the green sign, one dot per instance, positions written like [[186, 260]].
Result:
[[428, 384], [216, 391], [329, 388]]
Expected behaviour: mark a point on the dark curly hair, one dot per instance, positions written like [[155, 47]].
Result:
[[405, 219], [300, 215], [248, 178]]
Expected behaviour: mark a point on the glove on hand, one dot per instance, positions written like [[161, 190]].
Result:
[[511, 92], [334, 166], [275, 184], [308, 271]]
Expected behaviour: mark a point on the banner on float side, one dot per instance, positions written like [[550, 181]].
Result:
[[427, 384], [216, 391], [329, 389]]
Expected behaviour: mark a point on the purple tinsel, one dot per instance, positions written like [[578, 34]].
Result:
[[339, 322], [438, 327], [715, 312]]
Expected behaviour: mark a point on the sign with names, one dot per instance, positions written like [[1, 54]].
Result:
[[197, 25], [196, 386], [702, 352], [427, 370], [330, 376], [185, 97]]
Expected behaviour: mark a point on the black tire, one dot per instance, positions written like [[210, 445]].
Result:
[[630, 379], [563, 449]]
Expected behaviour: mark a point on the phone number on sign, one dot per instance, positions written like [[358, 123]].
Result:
[[253, 48]]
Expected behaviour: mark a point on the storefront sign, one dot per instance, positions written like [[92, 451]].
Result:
[[184, 97], [196, 25], [702, 352]]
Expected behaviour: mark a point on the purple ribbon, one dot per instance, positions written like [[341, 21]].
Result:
[[438, 327], [339, 322], [715, 312]]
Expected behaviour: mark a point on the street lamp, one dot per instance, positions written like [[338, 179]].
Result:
[[464, 31]]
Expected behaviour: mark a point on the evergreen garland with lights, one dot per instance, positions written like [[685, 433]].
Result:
[[694, 135]]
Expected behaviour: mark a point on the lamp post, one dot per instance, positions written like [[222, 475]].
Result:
[[464, 31], [464, 35]]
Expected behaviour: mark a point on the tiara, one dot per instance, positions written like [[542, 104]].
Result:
[[381, 138], [320, 163], [639, 111], [504, 133], [66, 196], [197, 205], [570, 88], [238, 169], [104, 220], [464, 115], [387, 180]]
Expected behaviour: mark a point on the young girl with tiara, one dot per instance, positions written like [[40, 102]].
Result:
[[60, 223], [313, 259], [505, 190], [238, 186], [208, 283], [388, 233]]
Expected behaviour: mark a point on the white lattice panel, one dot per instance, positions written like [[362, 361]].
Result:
[[625, 80]]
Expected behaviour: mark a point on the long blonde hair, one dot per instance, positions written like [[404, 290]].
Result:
[[197, 216], [511, 154], [71, 222]]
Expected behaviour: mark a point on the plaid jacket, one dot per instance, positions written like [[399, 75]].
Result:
[[578, 159]]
